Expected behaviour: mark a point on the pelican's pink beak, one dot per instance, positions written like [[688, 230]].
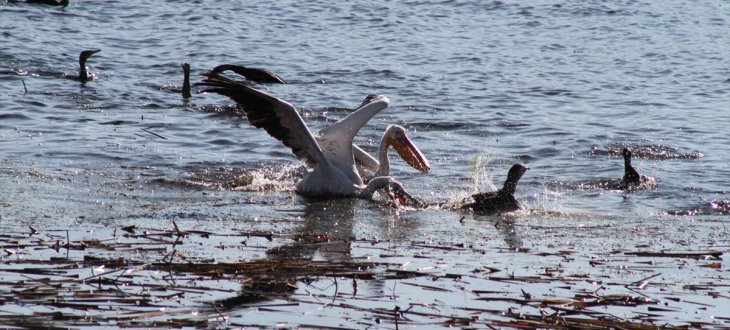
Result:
[[410, 153]]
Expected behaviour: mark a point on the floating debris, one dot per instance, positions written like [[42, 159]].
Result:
[[149, 277]]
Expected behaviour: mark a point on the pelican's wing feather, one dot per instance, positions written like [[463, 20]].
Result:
[[364, 159], [279, 118], [336, 139], [347, 127]]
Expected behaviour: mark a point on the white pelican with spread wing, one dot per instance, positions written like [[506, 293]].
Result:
[[328, 156]]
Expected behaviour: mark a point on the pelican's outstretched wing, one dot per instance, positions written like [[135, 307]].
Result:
[[279, 118]]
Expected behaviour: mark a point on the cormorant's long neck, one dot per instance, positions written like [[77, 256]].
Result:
[[384, 168], [186, 83], [510, 185], [631, 176], [83, 75], [513, 176]]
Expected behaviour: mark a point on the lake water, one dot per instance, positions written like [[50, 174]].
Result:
[[480, 85]]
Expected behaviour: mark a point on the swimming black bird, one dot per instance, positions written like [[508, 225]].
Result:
[[62, 3], [253, 74], [631, 176], [83, 75], [502, 200], [186, 80]]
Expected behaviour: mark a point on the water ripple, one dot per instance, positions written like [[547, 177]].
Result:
[[13, 116], [513, 86]]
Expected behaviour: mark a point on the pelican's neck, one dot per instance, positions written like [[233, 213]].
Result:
[[384, 168], [374, 185], [394, 189]]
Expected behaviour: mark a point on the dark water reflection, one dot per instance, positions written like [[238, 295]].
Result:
[[326, 231]]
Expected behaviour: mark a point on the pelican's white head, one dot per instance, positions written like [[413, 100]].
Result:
[[396, 136]]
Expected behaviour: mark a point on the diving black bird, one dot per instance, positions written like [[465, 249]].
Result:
[[502, 200], [631, 176], [84, 76], [186, 80], [253, 74]]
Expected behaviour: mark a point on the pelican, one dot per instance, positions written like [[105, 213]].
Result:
[[328, 156], [83, 75], [254, 74], [186, 80]]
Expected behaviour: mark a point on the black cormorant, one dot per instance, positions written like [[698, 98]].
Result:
[[186, 80], [631, 176], [84, 76], [62, 3], [502, 200]]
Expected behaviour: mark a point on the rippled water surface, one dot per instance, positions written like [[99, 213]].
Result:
[[480, 85]]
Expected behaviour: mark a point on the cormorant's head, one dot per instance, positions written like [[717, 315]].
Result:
[[516, 172], [627, 155], [83, 75], [86, 54]]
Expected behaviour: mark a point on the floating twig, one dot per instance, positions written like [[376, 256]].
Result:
[[693, 255], [153, 133]]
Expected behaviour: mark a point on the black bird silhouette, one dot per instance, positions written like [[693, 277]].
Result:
[[631, 176], [253, 74], [186, 80], [83, 74], [502, 200], [62, 3]]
